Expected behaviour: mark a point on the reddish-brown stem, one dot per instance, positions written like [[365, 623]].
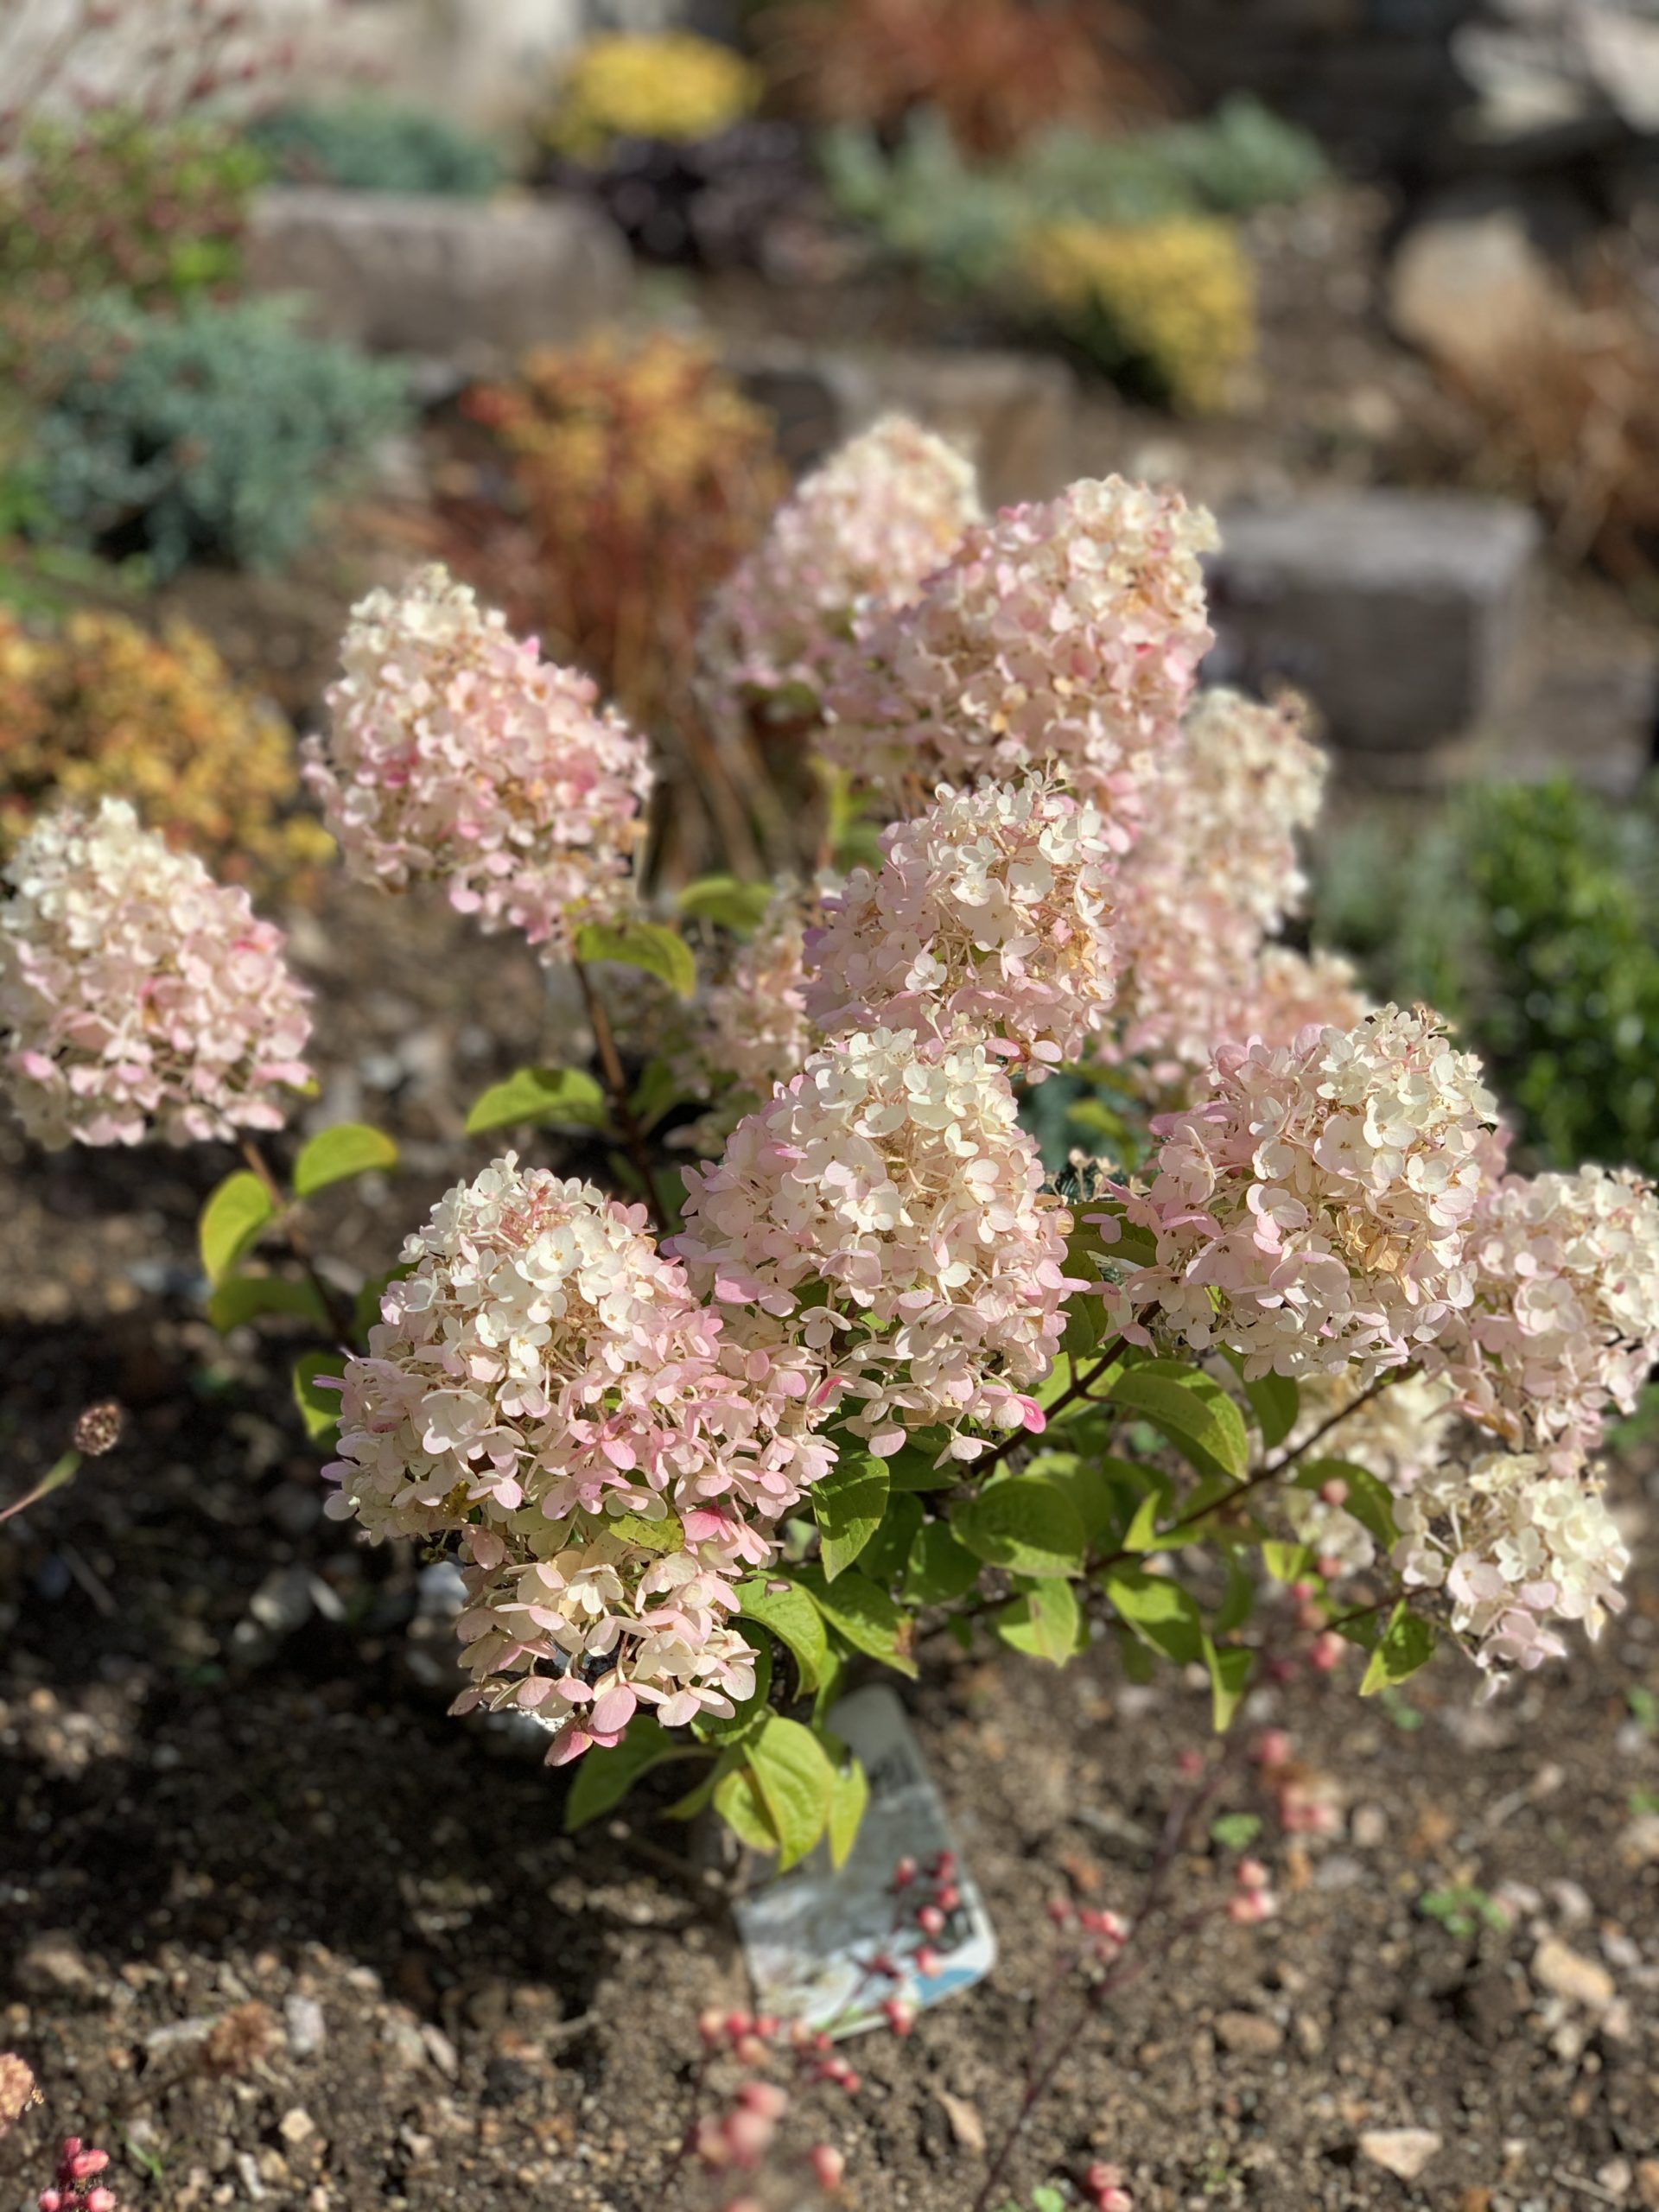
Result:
[[1078, 1388], [616, 1083]]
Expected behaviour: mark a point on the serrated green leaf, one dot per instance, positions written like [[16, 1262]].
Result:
[[604, 1778], [912, 1467], [1277, 1401], [243, 1298], [662, 1537], [939, 1569], [1025, 1524], [319, 1409], [1158, 1611], [568, 1096], [1286, 1562], [862, 1613], [738, 1801], [1190, 1408], [790, 1615], [1045, 1621], [847, 1802], [1238, 1600], [349, 1149], [1142, 1534], [884, 1558], [1230, 1667], [1103, 1491], [231, 1222], [1236, 1831], [1405, 1645], [1368, 1499], [727, 900], [847, 1503], [652, 946], [796, 1781]]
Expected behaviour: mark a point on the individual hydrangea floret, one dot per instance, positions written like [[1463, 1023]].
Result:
[[1062, 635], [1213, 870], [887, 1209], [1564, 1315], [1316, 1209], [858, 536], [990, 917], [138, 997], [1515, 1548], [540, 1351], [457, 755]]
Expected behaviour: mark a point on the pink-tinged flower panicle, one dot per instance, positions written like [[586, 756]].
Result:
[[749, 1029], [1564, 1319], [78, 2188], [139, 998], [1064, 635], [886, 1211], [857, 537], [457, 755], [989, 918], [1316, 1209]]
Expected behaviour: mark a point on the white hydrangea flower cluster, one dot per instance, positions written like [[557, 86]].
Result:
[[1063, 635], [887, 1209], [858, 536], [1289, 991], [989, 918], [750, 1031], [1314, 1212], [542, 1369], [137, 996], [457, 755], [1513, 1548], [1214, 869], [1565, 1316]]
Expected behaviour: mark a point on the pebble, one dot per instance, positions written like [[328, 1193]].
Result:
[[1368, 1827], [965, 2123], [1247, 2035], [296, 2126], [1638, 1841], [404, 2048], [55, 1965], [1566, 1972], [1647, 2184], [305, 2028], [1572, 1903], [1402, 2151], [440, 2051]]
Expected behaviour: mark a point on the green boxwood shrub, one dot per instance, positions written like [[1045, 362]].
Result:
[[377, 145]]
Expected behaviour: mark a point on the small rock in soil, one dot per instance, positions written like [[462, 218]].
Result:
[[1247, 2035], [1565, 1973], [306, 2029], [966, 2125], [1404, 2152]]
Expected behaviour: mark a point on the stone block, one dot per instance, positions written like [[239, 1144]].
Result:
[[473, 283], [1014, 413], [1402, 616]]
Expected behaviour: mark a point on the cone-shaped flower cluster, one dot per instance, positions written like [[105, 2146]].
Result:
[[1064, 635], [138, 997], [989, 918], [457, 755], [856, 538]]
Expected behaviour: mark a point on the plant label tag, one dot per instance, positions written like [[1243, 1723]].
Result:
[[811, 1934]]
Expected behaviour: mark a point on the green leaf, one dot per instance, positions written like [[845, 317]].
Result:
[[1134, 1246], [349, 1149], [884, 1558], [1025, 1524], [1044, 2198], [1406, 1644], [1104, 1490], [319, 1409], [1230, 1667], [231, 1221], [1238, 1600], [658, 950], [939, 1569], [1158, 1611], [848, 1505], [864, 1614], [1276, 1401], [1369, 1500], [664, 1536], [603, 1778], [848, 1800], [1236, 1831], [728, 901], [1142, 1534], [738, 1801], [1192, 1409], [566, 1096], [790, 1615], [1286, 1562], [1046, 1621], [657, 1089], [912, 1467], [241, 1298], [796, 1781]]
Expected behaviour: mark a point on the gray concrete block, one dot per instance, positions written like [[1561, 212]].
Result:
[[1402, 616], [474, 282]]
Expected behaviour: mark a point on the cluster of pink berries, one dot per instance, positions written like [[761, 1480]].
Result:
[[738, 2140], [75, 2190]]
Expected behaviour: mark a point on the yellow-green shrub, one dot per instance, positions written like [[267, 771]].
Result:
[[1176, 298], [675, 85], [103, 707]]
